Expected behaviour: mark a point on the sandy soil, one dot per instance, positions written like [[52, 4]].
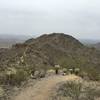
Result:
[[43, 88]]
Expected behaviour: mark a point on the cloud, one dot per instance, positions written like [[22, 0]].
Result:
[[79, 18]]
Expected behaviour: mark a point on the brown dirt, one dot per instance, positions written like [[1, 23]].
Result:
[[42, 89]]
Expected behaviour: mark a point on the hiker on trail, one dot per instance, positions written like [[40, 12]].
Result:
[[57, 67]]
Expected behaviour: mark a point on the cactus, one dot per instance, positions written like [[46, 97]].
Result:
[[71, 71], [57, 67], [76, 71]]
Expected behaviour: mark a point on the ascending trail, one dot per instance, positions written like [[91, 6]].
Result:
[[42, 89]]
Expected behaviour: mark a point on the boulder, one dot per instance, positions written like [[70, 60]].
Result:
[[36, 75], [42, 73]]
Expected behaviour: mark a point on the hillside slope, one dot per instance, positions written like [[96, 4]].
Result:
[[97, 46], [47, 50]]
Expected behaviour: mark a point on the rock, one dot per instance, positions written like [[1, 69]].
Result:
[[42, 73], [64, 74], [36, 75]]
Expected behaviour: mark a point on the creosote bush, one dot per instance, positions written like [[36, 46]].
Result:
[[72, 89], [79, 90], [20, 76], [1, 93], [10, 78], [94, 75]]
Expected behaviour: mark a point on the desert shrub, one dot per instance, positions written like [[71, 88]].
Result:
[[93, 74], [50, 72], [2, 78], [2, 93], [9, 77], [90, 73], [72, 89], [20, 76], [84, 75], [13, 78], [91, 93], [78, 90]]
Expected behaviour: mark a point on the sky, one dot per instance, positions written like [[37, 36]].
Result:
[[79, 18]]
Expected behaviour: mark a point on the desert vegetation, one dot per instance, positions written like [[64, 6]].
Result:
[[78, 90], [47, 55]]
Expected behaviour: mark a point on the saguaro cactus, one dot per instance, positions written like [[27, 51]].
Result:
[[71, 71], [57, 67], [76, 71]]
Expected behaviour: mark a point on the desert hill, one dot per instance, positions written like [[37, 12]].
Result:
[[42, 53], [47, 50]]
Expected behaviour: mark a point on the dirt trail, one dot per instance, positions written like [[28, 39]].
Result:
[[42, 89]]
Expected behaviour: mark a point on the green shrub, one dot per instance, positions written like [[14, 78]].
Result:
[[92, 93], [79, 90], [2, 92], [20, 76], [3, 78], [13, 78], [72, 89], [93, 74]]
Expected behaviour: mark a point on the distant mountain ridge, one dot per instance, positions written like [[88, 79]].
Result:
[[7, 40], [89, 41]]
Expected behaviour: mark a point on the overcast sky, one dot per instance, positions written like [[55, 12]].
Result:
[[80, 18]]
